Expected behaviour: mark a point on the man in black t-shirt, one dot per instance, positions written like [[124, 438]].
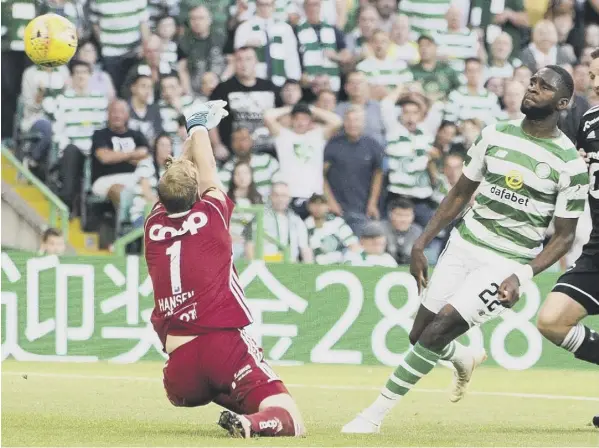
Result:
[[248, 98], [116, 150]]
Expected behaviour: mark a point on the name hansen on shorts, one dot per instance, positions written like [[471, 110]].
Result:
[[506, 194]]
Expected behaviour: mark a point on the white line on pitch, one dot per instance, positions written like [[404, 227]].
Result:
[[306, 386]]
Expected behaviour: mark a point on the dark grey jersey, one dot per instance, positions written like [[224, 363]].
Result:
[[588, 139]]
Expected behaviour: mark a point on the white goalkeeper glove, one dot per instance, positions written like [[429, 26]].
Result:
[[207, 115]]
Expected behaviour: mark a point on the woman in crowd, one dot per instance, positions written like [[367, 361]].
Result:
[[243, 193]]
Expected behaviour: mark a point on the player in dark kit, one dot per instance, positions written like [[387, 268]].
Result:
[[576, 293], [199, 312]]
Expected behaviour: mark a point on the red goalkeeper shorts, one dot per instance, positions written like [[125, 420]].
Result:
[[226, 367]]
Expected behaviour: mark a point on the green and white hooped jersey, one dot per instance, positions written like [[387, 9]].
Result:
[[426, 16], [525, 182], [264, 166], [120, 24], [385, 72], [312, 55], [330, 241], [407, 155], [457, 46]]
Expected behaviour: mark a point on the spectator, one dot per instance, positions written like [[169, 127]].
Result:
[[275, 44], [408, 153], [281, 223], [40, 88], [512, 100], [291, 94], [52, 242], [248, 97], [500, 64], [473, 100], [543, 50], [425, 18], [470, 130], [496, 85], [100, 80], [387, 10], [509, 16], [147, 174], [357, 41], [199, 51], [240, 12], [329, 236], [522, 75], [243, 192], [222, 19], [373, 242], [357, 91], [120, 27], [353, 167], [333, 12], [300, 149], [403, 48], [116, 152], [321, 49], [327, 100], [452, 169], [158, 9], [151, 62], [437, 78], [209, 82], [172, 105], [585, 57], [80, 111], [445, 135], [581, 79], [383, 73], [457, 43], [401, 230], [591, 36], [166, 30], [16, 14], [144, 114], [264, 166]]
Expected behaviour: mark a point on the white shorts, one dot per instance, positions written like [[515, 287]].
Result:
[[102, 184], [468, 277]]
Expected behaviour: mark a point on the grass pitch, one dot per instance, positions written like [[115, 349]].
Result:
[[124, 405]]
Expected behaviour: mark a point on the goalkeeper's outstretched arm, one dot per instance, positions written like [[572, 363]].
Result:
[[198, 149]]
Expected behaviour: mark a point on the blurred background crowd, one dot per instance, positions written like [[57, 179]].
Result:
[[349, 119]]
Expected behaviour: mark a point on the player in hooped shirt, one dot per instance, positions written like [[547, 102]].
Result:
[[576, 293], [199, 312]]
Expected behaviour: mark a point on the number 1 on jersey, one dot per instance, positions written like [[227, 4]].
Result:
[[174, 252]]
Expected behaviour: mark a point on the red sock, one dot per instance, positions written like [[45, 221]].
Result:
[[272, 422]]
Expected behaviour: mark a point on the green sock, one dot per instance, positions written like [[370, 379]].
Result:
[[417, 363]]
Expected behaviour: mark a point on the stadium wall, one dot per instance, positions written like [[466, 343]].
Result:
[[97, 308]]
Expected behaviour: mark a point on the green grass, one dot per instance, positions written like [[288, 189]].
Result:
[[124, 405]]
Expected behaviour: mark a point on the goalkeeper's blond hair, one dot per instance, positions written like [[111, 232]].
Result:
[[178, 187]]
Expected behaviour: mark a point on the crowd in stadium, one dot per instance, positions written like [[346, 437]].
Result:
[[349, 119]]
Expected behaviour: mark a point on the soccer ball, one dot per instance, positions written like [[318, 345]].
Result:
[[50, 40]]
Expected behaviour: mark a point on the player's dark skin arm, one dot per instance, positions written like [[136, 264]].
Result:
[[558, 246], [454, 203]]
